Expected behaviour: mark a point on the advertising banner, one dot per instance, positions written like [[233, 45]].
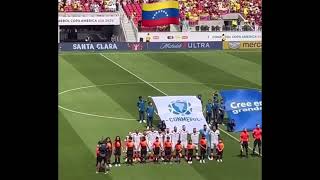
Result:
[[201, 36], [88, 20], [244, 106], [180, 110], [242, 45], [138, 46]]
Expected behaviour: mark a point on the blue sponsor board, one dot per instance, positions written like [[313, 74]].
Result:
[[139, 46], [244, 106]]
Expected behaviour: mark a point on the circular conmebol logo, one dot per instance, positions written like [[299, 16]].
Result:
[[180, 107]]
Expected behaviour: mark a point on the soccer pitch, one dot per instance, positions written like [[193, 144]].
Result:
[[98, 93]]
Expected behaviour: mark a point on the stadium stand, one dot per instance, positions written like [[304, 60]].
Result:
[[204, 10], [87, 5], [191, 12]]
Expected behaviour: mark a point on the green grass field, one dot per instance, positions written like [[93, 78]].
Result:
[[98, 95]]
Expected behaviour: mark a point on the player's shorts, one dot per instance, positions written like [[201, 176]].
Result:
[[167, 152], [130, 153], [137, 146], [177, 152], [144, 151], [184, 144], [213, 145], [190, 152], [244, 144], [100, 158], [219, 153], [196, 145], [117, 152], [157, 151], [257, 141], [203, 151]]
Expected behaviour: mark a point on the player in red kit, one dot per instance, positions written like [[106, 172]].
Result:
[[244, 141], [257, 135]]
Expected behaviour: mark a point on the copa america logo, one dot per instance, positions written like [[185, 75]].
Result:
[[180, 107]]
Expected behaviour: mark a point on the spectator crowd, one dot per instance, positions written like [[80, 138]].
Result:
[[87, 5], [190, 10], [195, 10]]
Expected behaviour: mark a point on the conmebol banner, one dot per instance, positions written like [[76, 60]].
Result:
[[244, 106], [179, 111]]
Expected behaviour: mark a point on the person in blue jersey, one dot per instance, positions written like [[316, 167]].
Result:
[[215, 109], [206, 132], [209, 111], [222, 109], [141, 109], [150, 113]]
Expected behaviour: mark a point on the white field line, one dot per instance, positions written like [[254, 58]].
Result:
[[95, 115], [158, 90], [155, 82]]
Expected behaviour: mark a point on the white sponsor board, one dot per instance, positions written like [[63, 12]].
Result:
[[180, 110], [201, 36], [88, 20]]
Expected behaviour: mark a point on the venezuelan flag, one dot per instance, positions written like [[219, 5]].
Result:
[[160, 13]]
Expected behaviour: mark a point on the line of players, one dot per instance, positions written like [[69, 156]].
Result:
[[154, 145]]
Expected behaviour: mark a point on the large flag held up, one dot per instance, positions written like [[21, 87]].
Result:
[[244, 106], [160, 13], [180, 110]]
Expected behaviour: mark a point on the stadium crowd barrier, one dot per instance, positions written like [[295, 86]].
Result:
[[139, 46]]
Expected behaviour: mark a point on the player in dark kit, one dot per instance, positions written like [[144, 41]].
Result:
[[167, 149], [209, 108], [203, 148], [143, 151], [178, 153], [117, 151], [190, 148], [257, 135], [244, 141], [220, 148], [109, 151], [141, 108], [156, 149], [102, 158], [129, 148]]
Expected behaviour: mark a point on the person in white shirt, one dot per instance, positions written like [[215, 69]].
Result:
[[151, 137], [184, 138], [214, 136], [161, 139], [167, 134], [195, 140], [136, 140], [175, 137]]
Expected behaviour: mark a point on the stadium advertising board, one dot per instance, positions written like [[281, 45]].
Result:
[[244, 106], [242, 45], [88, 20], [180, 110], [139, 46], [201, 36]]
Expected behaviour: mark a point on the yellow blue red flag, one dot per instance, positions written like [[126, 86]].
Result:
[[160, 13]]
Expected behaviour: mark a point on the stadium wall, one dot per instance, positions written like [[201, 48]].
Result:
[[200, 36], [140, 46]]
